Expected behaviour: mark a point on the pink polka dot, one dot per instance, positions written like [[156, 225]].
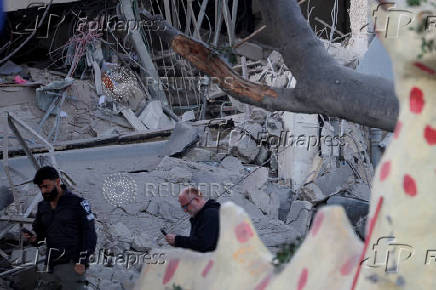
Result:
[[425, 68], [302, 281], [430, 135], [207, 268], [317, 223], [398, 129], [409, 185], [262, 285], [385, 170], [243, 232], [349, 265], [416, 100], [170, 270]]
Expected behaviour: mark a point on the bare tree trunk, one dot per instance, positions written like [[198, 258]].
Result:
[[323, 86]]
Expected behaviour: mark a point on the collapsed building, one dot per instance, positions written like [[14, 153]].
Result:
[[129, 123]]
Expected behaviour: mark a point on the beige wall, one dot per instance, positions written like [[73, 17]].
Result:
[[12, 5]]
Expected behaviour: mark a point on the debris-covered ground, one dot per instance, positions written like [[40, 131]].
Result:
[[130, 152]]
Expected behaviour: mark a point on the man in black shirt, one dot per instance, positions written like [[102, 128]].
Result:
[[204, 222], [66, 223]]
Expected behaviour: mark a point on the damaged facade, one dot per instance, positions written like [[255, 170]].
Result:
[[133, 123]]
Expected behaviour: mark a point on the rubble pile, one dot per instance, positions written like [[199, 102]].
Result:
[[280, 167]]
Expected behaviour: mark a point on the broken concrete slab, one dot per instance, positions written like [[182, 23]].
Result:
[[198, 155], [358, 190], [142, 242], [253, 128], [312, 193], [354, 208], [122, 232], [233, 164], [241, 144], [295, 159], [183, 137], [251, 51], [334, 179], [285, 196], [133, 120], [256, 180], [153, 116], [188, 116], [300, 216]]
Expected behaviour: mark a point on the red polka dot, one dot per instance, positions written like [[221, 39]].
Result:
[[243, 232], [170, 270], [416, 100], [385, 170], [302, 281], [430, 135], [409, 185], [317, 223], [207, 268], [262, 285], [425, 68], [398, 129], [349, 265]]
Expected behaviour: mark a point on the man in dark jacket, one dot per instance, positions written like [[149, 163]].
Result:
[[66, 223], [204, 222]]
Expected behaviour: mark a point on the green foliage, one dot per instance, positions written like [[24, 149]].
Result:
[[415, 2], [176, 287], [427, 46], [285, 253]]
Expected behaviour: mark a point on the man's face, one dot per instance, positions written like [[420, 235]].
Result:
[[189, 204], [49, 189]]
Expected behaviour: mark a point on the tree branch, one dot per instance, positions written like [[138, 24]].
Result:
[[323, 86]]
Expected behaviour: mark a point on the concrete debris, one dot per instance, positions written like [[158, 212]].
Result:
[[6, 197], [251, 51], [199, 155], [300, 216], [242, 145], [296, 157], [10, 68], [285, 197], [133, 120], [254, 129], [274, 125], [312, 193], [188, 116], [153, 117], [262, 156], [122, 232], [358, 190], [334, 179], [354, 208], [142, 242], [27, 255], [183, 137], [47, 94], [233, 164]]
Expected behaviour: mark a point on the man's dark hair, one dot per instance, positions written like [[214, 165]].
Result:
[[46, 172]]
